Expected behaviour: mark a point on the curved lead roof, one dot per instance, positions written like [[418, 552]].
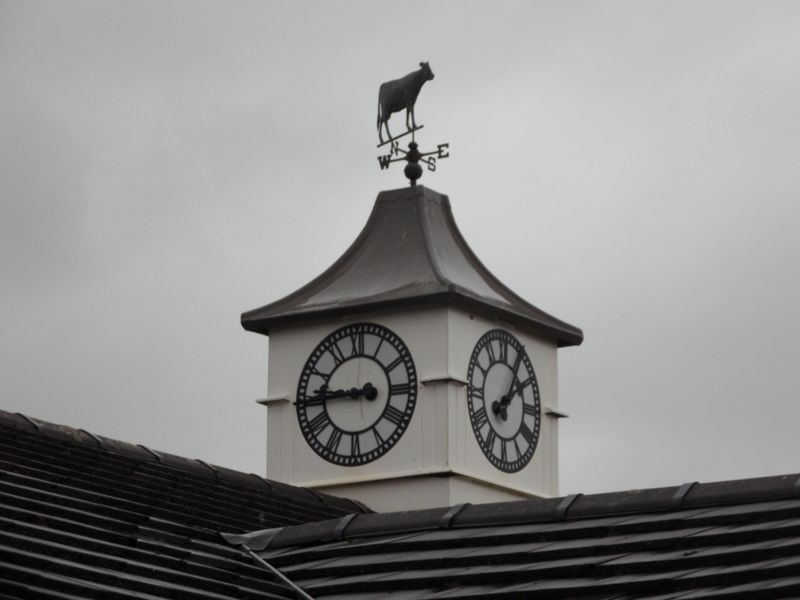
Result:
[[410, 252]]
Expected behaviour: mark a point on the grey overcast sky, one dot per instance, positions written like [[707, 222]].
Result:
[[629, 166]]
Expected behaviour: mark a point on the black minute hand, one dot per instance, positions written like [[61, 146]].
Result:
[[323, 394], [499, 406]]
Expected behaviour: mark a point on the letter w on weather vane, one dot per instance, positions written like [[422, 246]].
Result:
[[393, 97]]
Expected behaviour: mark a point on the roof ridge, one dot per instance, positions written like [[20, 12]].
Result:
[[65, 433], [546, 320], [423, 199], [350, 251], [550, 510]]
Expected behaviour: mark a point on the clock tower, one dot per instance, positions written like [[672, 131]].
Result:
[[407, 375]]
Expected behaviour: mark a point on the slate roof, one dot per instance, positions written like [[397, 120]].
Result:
[[736, 539], [82, 516], [409, 252]]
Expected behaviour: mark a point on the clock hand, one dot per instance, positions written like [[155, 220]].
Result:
[[499, 406], [368, 391]]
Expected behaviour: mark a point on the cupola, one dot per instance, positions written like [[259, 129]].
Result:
[[407, 375]]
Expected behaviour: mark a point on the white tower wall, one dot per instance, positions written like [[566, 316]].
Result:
[[437, 461]]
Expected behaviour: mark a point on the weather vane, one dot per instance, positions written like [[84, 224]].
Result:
[[393, 97]]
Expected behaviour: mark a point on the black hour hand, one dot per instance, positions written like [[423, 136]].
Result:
[[324, 393], [499, 407]]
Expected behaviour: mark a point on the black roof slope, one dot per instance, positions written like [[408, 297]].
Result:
[[88, 517], [83, 516], [409, 252], [736, 539]]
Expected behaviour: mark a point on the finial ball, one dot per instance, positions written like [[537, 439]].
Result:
[[413, 171]]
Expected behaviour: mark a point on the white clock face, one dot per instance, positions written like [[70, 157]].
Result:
[[356, 394], [503, 400]]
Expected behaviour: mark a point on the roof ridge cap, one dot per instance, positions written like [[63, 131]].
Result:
[[573, 507]]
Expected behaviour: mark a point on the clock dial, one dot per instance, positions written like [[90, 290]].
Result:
[[356, 394], [503, 400]]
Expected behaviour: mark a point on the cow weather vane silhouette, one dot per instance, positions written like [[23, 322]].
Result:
[[393, 97]]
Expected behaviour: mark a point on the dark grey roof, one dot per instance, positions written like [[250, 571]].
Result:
[[735, 539], [409, 252], [82, 516], [88, 517]]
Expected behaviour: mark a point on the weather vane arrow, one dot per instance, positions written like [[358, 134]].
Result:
[[393, 97]]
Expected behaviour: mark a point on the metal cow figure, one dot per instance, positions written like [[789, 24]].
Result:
[[398, 94]]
